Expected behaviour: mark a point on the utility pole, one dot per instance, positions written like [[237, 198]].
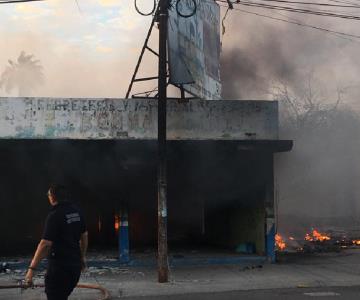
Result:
[[163, 269]]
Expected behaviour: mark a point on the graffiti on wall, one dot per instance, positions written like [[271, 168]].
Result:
[[135, 119]]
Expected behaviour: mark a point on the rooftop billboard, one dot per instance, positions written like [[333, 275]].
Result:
[[194, 47]]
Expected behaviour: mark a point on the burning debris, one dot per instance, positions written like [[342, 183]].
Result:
[[279, 242], [315, 236], [316, 241], [117, 222]]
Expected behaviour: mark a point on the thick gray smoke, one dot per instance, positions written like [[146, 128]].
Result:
[[258, 52], [247, 71], [317, 182]]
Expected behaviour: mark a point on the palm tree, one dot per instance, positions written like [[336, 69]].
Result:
[[25, 75]]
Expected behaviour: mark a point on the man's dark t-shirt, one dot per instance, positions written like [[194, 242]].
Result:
[[64, 226]]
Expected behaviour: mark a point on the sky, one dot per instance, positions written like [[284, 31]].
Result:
[[90, 48], [86, 51]]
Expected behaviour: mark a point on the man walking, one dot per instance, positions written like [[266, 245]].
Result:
[[64, 242]]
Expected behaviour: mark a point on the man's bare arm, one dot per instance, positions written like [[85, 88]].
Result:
[[83, 248], [42, 251]]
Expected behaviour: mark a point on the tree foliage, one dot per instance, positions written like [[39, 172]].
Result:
[[25, 74], [306, 107], [320, 176]]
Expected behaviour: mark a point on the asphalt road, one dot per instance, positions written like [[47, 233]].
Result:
[[333, 293]]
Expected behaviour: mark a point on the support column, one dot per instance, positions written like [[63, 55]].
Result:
[[270, 228], [124, 253]]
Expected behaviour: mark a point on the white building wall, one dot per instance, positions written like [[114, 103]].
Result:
[[50, 118]]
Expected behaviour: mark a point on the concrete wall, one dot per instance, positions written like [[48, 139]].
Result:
[[45, 118]]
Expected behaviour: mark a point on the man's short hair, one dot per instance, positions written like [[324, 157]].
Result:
[[59, 192]]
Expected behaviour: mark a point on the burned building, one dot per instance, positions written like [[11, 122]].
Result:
[[220, 170]]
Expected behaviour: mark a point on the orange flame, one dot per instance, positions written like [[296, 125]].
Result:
[[316, 236], [116, 222], [279, 242], [356, 242]]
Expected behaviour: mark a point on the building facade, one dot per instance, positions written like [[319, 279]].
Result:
[[220, 169]]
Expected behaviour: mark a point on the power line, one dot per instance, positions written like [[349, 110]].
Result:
[[295, 10], [313, 3], [332, 8], [344, 2], [275, 7], [336, 33], [18, 1]]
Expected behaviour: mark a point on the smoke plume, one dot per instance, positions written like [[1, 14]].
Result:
[[318, 179]]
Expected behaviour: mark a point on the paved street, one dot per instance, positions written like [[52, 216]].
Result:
[[332, 293], [324, 275], [343, 293]]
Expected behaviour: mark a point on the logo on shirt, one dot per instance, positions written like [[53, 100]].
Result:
[[71, 218]]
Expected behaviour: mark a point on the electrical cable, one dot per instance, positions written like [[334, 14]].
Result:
[[312, 3], [344, 2], [337, 33], [230, 4], [304, 7], [145, 14], [287, 16], [230, 7], [17, 1], [183, 15], [321, 7], [223, 20], [295, 10]]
